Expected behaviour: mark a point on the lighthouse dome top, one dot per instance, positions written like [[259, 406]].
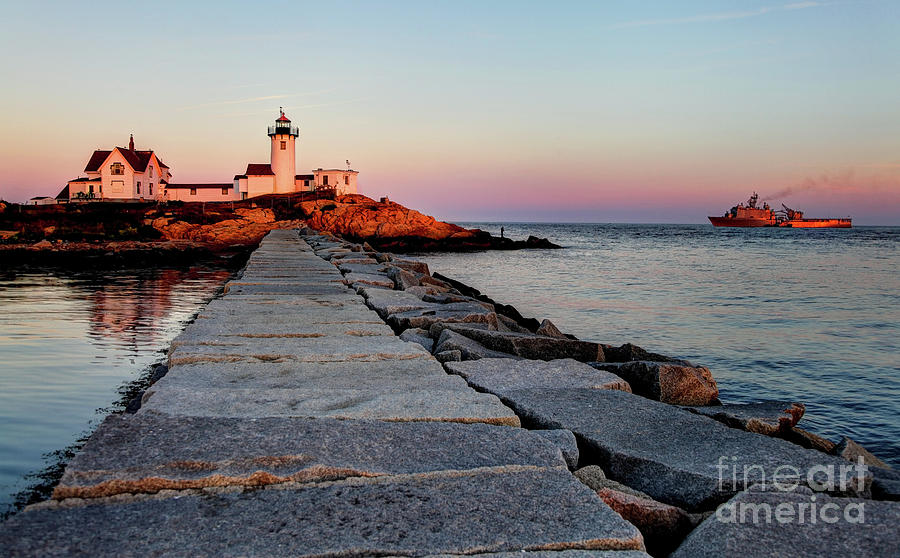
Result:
[[283, 127]]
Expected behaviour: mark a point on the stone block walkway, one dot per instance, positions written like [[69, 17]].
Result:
[[293, 422]]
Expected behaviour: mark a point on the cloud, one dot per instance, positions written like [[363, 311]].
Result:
[[721, 16]]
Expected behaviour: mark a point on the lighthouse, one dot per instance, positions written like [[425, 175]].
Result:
[[284, 164]]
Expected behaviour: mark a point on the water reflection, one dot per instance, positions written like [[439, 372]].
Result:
[[69, 340]]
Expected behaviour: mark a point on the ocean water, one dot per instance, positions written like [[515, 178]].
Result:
[[801, 315], [69, 341]]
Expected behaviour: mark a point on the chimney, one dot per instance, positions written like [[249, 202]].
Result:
[[131, 143]]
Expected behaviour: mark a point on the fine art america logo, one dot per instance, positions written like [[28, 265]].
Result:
[[793, 495]]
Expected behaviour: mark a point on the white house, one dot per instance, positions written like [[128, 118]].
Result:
[[121, 174], [129, 174]]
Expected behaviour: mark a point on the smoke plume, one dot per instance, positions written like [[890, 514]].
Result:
[[847, 182]]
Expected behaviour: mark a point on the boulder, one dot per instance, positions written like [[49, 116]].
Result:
[[548, 329], [419, 336], [629, 352], [392, 302], [808, 440], [411, 265], [510, 325], [448, 356], [402, 278], [667, 382], [503, 376], [663, 526], [422, 290], [257, 215], [438, 328], [450, 298], [536, 347], [376, 280], [469, 350], [885, 484], [676, 457], [766, 417], [851, 451], [367, 268], [565, 441], [458, 312], [757, 524]]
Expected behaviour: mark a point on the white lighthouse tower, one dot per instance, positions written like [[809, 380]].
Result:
[[284, 164]]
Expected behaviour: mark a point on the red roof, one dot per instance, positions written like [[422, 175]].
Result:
[[259, 169], [138, 160], [283, 118], [96, 160], [186, 186]]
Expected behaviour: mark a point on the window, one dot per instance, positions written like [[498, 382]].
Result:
[[325, 180], [90, 188], [283, 145], [243, 195], [151, 172], [193, 191], [150, 189], [224, 191], [117, 168], [346, 179], [139, 188]]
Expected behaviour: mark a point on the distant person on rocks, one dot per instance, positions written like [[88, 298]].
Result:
[[501, 232]]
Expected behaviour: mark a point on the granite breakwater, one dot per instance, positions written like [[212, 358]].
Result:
[[338, 400]]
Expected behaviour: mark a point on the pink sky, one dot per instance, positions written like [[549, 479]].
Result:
[[650, 112]]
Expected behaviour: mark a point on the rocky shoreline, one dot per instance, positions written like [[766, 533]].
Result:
[[662, 480], [67, 234]]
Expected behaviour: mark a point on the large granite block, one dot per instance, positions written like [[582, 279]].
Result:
[[667, 382], [469, 349], [387, 302], [501, 376], [368, 280], [456, 513], [458, 312], [397, 374], [766, 417], [674, 456], [282, 289], [536, 347], [385, 375], [798, 524], [234, 331], [451, 403], [152, 452], [311, 349]]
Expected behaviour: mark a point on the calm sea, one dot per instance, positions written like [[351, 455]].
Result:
[[800, 315], [69, 342]]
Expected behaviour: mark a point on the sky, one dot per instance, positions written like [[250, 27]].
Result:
[[476, 111]]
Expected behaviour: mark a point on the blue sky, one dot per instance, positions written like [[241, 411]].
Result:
[[595, 111]]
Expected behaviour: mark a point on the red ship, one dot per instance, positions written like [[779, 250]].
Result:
[[751, 216]]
